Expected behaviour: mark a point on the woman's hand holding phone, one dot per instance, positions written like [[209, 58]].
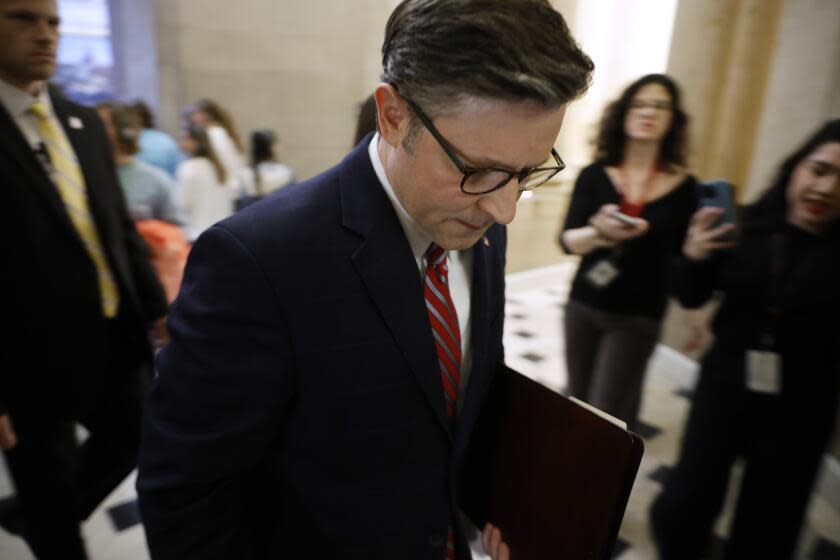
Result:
[[703, 236], [615, 226]]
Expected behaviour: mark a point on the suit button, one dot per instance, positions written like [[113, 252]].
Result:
[[436, 540]]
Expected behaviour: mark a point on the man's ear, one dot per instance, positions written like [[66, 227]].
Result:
[[392, 114]]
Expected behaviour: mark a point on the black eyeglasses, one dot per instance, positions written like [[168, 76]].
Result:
[[488, 179], [658, 105]]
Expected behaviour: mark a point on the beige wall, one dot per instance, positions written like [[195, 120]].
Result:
[[803, 88], [758, 75], [298, 66], [302, 66]]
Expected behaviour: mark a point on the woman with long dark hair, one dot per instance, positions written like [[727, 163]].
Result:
[[206, 190], [222, 133], [627, 218], [768, 387]]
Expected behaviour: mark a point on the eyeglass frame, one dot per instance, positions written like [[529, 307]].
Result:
[[656, 105], [470, 171]]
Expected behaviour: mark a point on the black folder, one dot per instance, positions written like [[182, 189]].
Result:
[[554, 476]]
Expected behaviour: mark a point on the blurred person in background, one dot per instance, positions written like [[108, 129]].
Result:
[[619, 293], [205, 190], [156, 147], [768, 387], [366, 120], [265, 174], [223, 135], [81, 295], [333, 345], [149, 192], [150, 195]]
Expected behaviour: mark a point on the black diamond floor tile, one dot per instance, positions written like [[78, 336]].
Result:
[[532, 357], [647, 431], [685, 393], [825, 550], [524, 334], [620, 546], [661, 474], [125, 515]]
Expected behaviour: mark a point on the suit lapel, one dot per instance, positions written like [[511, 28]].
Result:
[[484, 263], [386, 265], [34, 176], [80, 138]]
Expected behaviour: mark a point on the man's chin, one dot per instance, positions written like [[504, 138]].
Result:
[[460, 242]]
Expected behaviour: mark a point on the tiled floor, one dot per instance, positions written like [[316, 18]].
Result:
[[533, 345]]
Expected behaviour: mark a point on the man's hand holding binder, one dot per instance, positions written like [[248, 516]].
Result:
[[491, 539], [550, 474]]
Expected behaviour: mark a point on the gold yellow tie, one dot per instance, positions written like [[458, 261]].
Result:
[[70, 182]]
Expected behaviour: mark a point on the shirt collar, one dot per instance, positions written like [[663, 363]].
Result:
[[18, 102], [418, 241]]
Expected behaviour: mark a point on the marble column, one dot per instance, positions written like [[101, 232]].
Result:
[[720, 55]]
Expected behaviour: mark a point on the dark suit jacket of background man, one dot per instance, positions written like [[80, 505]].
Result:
[[302, 350], [54, 330]]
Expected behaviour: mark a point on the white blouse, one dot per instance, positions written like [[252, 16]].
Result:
[[204, 199], [273, 176], [225, 149]]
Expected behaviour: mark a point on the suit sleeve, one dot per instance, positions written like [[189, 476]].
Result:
[[223, 384]]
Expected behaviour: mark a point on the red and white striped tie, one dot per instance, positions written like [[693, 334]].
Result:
[[447, 335], [444, 320]]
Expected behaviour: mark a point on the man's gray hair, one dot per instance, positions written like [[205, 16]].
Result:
[[437, 51]]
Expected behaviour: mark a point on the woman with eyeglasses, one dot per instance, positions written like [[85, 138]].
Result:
[[768, 387], [627, 218]]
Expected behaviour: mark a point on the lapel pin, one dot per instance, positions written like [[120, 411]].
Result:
[[75, 122], [486, 241]]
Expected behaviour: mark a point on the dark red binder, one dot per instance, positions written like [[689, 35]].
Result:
[[552, 475]]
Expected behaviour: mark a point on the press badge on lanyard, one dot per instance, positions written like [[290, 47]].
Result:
[[764, 364], [602, 273], [605, 271], [764, 372]]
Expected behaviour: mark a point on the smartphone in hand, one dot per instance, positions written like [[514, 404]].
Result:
[[625, 219], [719, 194]]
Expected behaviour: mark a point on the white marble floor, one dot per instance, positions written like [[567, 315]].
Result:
[[533, 346]]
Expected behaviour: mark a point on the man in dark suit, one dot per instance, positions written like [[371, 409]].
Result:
[[80, 293], [332, 345]]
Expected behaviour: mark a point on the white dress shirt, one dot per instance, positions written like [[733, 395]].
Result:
[[460, 289], [459, 266], [17, 102]]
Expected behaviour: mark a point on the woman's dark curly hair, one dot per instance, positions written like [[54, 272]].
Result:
[[770, 210], [609, 144]]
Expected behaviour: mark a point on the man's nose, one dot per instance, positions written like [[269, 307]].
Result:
[[501, 203], [47, 32]]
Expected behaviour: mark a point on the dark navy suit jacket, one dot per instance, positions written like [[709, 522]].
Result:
[[300, 400]]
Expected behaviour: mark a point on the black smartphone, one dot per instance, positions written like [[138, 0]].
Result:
[[719, 194]]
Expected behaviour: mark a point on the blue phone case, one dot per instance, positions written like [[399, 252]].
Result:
[[719, 194]]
